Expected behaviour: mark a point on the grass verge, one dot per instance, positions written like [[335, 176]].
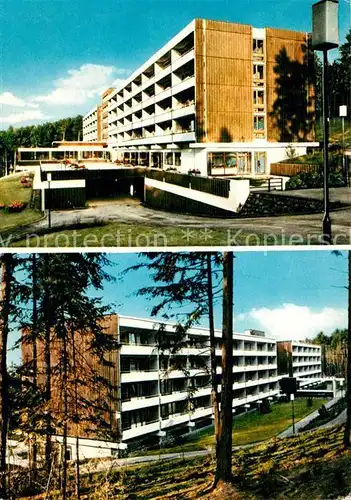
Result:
[[248, 428], [12, 190], [130, 235]]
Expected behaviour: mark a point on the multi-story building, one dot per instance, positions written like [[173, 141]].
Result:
[[158, 394], [299, 359], [95, 122], [92, 125], [219, 97]]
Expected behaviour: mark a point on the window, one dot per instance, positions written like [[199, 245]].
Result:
[[58, 155], [258, 49], [258, 100], [169, 158], [259, 127], [258, 75], [260, 162], [177, 159], [229, 163]]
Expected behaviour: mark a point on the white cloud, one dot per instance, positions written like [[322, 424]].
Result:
[[292, 322], [89, 81], [118, 82], [79, 89], [24, 116], [9, 99]]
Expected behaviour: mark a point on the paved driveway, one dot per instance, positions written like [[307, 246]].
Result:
[[288, 229]]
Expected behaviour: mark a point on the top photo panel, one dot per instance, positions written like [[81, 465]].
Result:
[[184, 124]]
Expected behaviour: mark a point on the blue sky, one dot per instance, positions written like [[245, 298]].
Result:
[[288, 294], [58, 55]]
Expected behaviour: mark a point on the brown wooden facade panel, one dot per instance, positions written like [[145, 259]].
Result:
[[221, 44], [233, 72], [229, 99], [286, 60], [88, 366], [229, 127], [224, 97]]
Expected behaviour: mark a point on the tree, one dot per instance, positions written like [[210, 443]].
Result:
[[7, 269], [348, 393], [224, 457], [193, 279], [186, 280], [68, 327]]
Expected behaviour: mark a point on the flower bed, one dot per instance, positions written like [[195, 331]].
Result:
[[16, 206]]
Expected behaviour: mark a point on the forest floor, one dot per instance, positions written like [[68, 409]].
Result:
[[310, 466]]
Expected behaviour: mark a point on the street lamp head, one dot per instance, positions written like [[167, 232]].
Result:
[[325, 25]]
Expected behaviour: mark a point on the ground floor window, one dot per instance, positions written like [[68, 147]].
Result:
[[177, 159], [260, 162], [169, 159], [229, 163]]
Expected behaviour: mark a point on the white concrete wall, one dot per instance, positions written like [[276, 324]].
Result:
[[91, 448], [279, 153], [239, 192]]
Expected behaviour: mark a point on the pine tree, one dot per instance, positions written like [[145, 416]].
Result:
[[7, 270]]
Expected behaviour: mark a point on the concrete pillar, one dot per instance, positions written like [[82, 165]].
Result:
[[43, 199], [334, 388]]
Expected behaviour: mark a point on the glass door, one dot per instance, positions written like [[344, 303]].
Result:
[[260, 162]]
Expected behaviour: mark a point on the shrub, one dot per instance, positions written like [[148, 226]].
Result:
[[16, 206], [305, 180]]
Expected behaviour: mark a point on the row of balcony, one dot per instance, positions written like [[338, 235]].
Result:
[[298, 351], [189, 418], [144, 119], [153, 374], [153, 99], [133, 89], [130, 403], [201, 349]]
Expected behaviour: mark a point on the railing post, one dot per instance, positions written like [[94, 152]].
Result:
[[269, 184]]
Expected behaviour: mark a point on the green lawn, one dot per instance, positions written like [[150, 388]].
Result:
[[118, 234], [250, 427], [11, 190]]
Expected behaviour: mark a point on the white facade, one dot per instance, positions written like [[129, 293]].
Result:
[[157, 398], [90, 125], [152, 116], [306, 360]]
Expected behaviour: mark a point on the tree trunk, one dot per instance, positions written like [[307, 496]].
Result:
[[47, 366], [5, 295], [64, 389], [33, 461], [76, 417], [348, 393], [214, 387], [224, 459]]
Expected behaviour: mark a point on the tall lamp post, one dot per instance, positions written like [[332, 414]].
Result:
[[48, 178], [324, 38], [292, 398]]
